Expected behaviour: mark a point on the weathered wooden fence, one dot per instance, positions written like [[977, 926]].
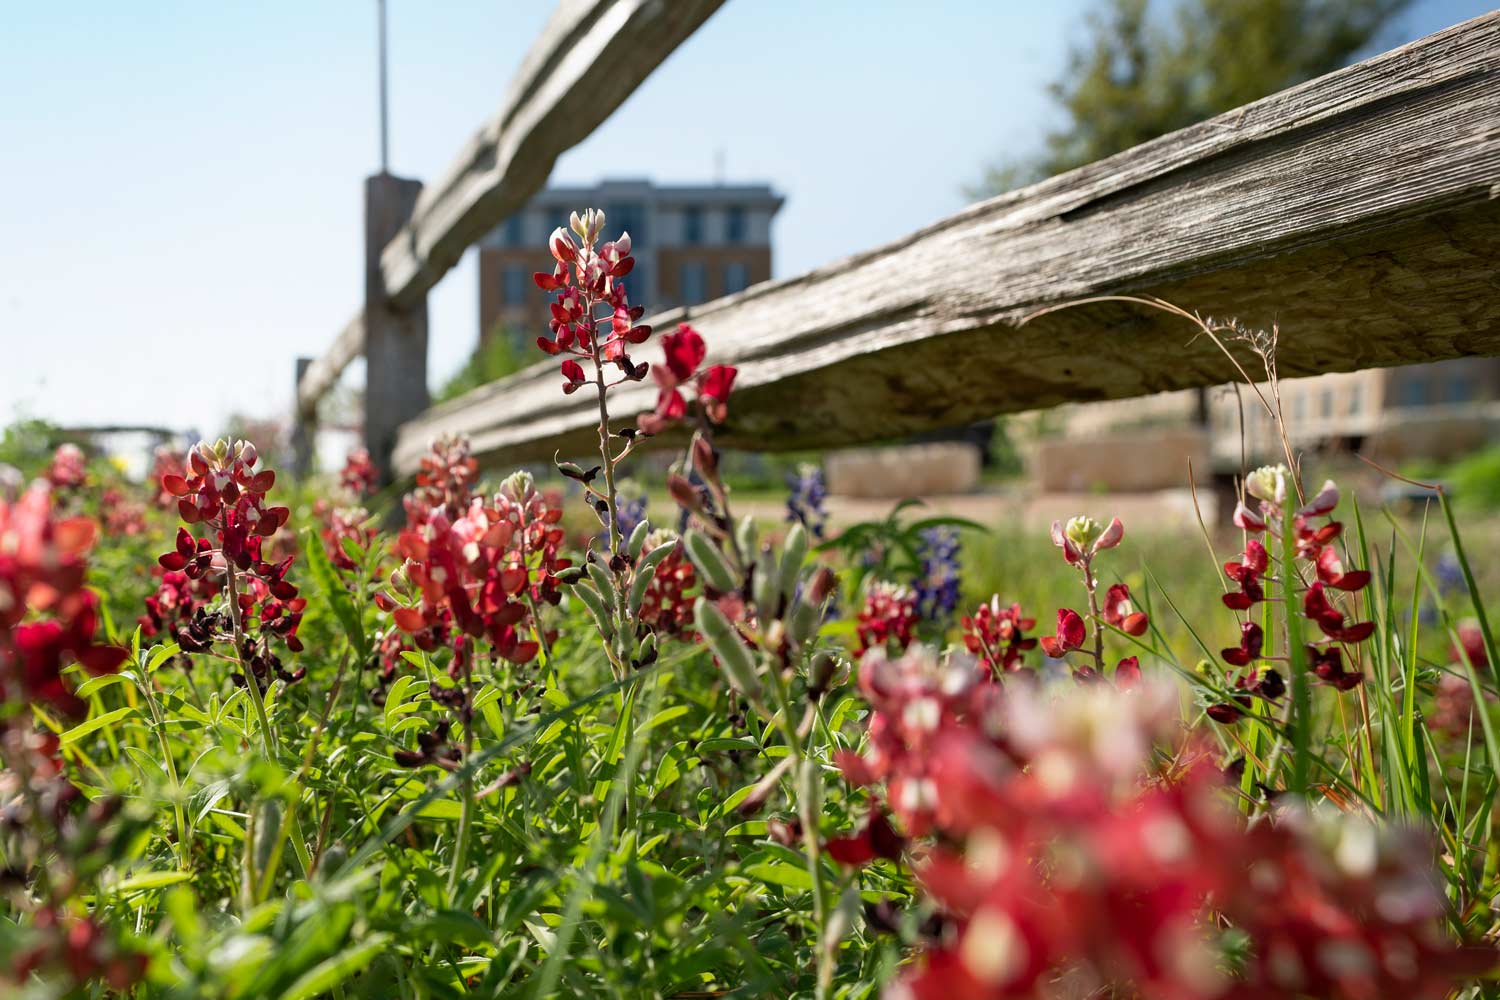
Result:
[[1360, 211]]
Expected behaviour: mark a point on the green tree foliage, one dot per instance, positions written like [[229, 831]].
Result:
[[496, 357], [1136, 76]]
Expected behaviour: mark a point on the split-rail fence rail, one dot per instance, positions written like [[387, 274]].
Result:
[[1359, 211]]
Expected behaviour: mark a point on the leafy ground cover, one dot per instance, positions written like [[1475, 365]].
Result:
[[527, 743]]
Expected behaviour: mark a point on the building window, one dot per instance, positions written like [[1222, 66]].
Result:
[[734, 224], [1299, 407], [627, 217], [692, 225], [1414, 392], [513, 282], [1356, 399], [514, 235], [736, 277], [692, 280], [1460, 389], [1325, 404]]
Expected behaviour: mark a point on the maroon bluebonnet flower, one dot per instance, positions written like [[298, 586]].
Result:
[[1120, 612], [68, 469], [684, 352], [227, 495], [587, 279], [995, 635], [1070, 634], [888, 617], [480, 574], [48, 619]]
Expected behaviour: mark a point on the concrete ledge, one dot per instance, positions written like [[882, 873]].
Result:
[[913, 470]]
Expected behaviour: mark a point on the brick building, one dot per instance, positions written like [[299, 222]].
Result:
[[691, 244]]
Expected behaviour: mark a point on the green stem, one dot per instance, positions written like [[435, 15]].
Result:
[[811, 846], [1301, 717], [466, 789], [183, 845]]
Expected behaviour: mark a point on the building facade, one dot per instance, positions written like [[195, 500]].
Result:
[[691, 244], [1439, 410]]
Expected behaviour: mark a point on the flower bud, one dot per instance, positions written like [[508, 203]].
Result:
[[794, 551], [1082, 531], [820, 672], [728, 648], [591, 599], [744, 535], [638, 538], [704, 459], [562, 246], [518, 486], [821, 585], [766, 589], [638, 586], [1268, 483], [684, 495], [709, 561]]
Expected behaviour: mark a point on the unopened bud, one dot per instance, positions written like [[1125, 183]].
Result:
[[684, 494], [704, 459], [728, 647], [709, 561], [821, 585], [820, 673]]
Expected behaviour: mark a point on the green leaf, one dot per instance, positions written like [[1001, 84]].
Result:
[[334, 592], [98, 722], [161, 655], [330, 972], [787, 876], [151, 880]]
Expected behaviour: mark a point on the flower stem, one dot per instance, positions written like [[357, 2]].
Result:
[[466, 789]]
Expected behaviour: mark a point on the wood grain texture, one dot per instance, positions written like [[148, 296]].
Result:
[[1359, 211], [590, 57], [395, 338], [323, 374]]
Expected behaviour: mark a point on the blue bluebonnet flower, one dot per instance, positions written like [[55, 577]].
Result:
[[629, 512], [805, 503], [937, 584], [1450, 581]]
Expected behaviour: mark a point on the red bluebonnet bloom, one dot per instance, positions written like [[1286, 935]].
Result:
[[889, 616], [359, 476], [995, 635], [479, 575], [68, 469], [684, 352], [47, 617], [1070, 634], [587, 278], [1120, 612], [227, 495]]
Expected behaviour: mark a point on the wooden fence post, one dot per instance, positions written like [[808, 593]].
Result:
[[304, 426], [395, 340]]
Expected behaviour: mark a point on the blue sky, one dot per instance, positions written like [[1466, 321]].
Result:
[[181, 180]]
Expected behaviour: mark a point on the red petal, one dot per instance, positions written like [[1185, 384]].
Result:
[[175, 485], [851, 850], [102, 659], [409, 620]]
